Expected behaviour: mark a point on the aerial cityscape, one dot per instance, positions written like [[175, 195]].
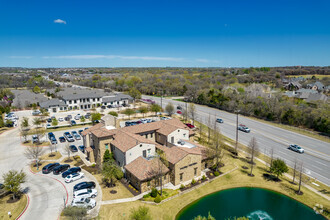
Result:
[[185, 110]]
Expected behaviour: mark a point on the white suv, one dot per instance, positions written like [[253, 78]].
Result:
[[75, 176], [296, 148], [83, 202], [85, 193]]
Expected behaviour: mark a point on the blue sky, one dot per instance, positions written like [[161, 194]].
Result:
[[125, 33]]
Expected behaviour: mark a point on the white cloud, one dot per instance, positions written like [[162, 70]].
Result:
[[59, 21], [115, 57], [20, 57]]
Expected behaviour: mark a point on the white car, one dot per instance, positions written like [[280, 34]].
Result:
[[84, 202], [77, 117], [60, 119], [75, 176], [85, 193], [296, 148]]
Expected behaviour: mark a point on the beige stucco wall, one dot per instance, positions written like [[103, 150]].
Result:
[[179, 134], [147, 184], [188, 172], [137, 151]]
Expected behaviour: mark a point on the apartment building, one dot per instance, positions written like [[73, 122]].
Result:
[[134, 149]]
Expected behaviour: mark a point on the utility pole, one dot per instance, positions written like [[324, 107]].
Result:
[[236, 147]]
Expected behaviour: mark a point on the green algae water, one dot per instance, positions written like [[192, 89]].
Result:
[[254, 203]]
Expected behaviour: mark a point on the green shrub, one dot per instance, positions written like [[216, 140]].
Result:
[[193, 182], [154, 192], [93, 165], [158, 199], [203, 177], [75, 212], [216, 173], [182, 186], [146, 196], [113, 113]]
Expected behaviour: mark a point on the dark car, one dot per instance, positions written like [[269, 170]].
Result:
[[80, 131], [219, 120], [67, 119], [60, 169], [50, 135], [73, 148], [87, 116], [62, 139], [71, 171], [49, 167], [109, 106], [84, 185], [53, 140], [103, 107], [82, 148], [49, 120], [69, 116], [73, 122], [179, 107]]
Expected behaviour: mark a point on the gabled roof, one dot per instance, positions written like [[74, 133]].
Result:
[[145, 169], [52, 103]]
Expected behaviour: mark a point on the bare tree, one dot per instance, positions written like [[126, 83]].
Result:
[[24, 134], [34, 153], [192, 112], [253, 151], [271, 154], [160, 168], [51, 148], [301, 171], [67, 151], [40, 132], [169, 109], [294, 169]]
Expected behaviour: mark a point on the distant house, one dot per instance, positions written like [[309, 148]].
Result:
[[54, 105], [309, 95], [318, 86], [293, 86]]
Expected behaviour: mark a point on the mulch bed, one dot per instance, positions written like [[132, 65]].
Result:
[[208, 174], [191, 186], [113, 191], [126, 184]]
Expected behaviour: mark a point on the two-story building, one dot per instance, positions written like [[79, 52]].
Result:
[[134, 149]]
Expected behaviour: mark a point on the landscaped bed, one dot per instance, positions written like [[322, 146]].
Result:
[[51, 156], [7, 205], [74, 161]]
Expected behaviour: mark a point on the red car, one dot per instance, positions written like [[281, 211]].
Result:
[[190, 125], [179, 112]]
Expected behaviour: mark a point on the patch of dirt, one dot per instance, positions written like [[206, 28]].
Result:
[[245, 167], [113, 191], [68, 161]]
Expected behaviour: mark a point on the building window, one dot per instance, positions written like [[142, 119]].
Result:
[[147, 136], [106, 146], [70, 102], [195, 171], [151, 135], [149, 151], [140, 145], [181, 177], [184, 135], [172, 140], [75, 101]]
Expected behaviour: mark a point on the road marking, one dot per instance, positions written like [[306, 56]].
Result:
[[321, 163]]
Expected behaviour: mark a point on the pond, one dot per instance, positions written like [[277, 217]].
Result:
[[254, 203]]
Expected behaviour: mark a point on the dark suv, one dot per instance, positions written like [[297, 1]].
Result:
[[84, 185], [49, 167], [71, 171], [60, 169]]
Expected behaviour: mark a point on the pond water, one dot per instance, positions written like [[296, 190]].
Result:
[[255, 203]]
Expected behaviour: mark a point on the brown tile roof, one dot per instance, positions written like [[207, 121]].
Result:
[[144, 169], [95, 127], [125, 141], [103, 132], [89, 149], [173, 154]]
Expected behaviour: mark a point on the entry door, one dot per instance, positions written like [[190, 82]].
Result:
[[144, 153]]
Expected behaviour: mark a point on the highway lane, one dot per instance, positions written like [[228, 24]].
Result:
[[317, 153]]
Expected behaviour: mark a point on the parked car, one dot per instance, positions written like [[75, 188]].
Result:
[[190, 125], [73, 177], [60, 169], [60, 119], [82, 148], [103, 107], [87, 116], [53, 117], [48, 126], [66, 119], [85, 193], [219, 120], [243, 128], [35, 139], [71, 171], [62, 139], [73, 148], [109, 106], [73, 133], [68, 137], [49, 120], [49, 167], [69, 116], [73, 122], [53, 140], [50, 135], [84, 185], [36, 112], [77, 137], [296, 148], [80, 131], [179, 107], [179, 112], [84, 202], [77, 117]]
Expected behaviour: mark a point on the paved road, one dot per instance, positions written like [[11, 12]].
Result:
[[317, 153]]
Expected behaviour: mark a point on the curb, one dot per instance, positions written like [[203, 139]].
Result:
[[26, 206]]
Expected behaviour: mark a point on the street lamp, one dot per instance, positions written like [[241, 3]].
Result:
[[236, 147]]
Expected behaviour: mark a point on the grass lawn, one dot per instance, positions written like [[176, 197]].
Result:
[[15, 208], [51, 156], [166, 194], [74, 161], [122, 191], [237, 178], [29, 144]]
